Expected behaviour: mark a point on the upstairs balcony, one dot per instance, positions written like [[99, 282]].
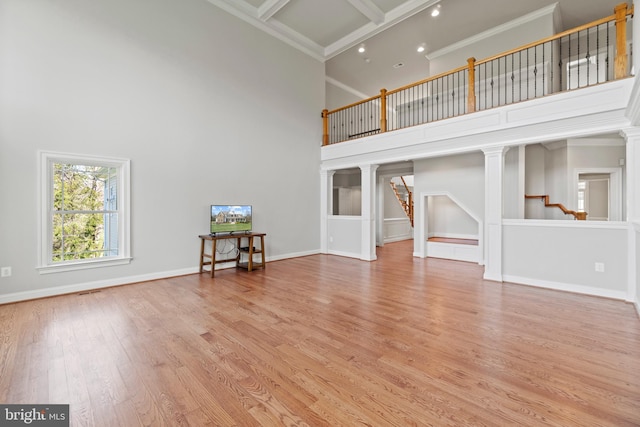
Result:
[[589, 55]]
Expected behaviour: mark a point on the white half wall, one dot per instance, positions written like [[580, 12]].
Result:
[[344, 235], [576, 256], [396, 229]]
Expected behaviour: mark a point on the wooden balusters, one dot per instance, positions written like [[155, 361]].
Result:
[[429, 96]]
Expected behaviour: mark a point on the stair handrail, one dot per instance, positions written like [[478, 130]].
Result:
[[620, 61], [581, 216], [410, 201]]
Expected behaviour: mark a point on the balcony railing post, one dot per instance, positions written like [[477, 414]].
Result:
[[620, 70], [325, 127], [383, 110], [471, 98]]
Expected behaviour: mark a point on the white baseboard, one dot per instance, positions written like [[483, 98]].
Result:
[[345, 254], [567, 287], [397, 238], [469, 253], [293, 255], [119, 281], [89, 286]]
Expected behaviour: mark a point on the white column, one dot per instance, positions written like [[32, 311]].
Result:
[[632, 163], [636, 41], [368, 242], [521, 179], [326, 207], [383, 182], [493, 171]]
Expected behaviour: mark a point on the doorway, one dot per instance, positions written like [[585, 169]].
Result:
[[593, 196], [598, 192]]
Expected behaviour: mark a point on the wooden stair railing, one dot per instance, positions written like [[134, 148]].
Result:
[[407, 205], [581, 216], [379, 102]]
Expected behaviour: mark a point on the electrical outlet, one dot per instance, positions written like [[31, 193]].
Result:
[[5, 271], [600, 267]]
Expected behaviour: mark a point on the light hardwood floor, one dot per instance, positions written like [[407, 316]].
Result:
[[327, 341]]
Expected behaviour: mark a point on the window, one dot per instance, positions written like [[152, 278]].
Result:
[[84, 212]]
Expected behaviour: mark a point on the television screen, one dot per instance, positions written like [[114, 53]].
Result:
[[230, 218]]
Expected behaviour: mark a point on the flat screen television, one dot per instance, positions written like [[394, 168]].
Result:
[[230, 218]]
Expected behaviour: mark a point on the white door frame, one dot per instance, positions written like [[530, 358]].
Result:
[[615, 188]]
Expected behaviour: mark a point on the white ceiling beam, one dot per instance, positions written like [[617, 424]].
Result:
[[270, 8], [394, 16], [248, 14], [369, 9]]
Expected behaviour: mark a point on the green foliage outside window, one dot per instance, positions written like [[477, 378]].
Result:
[[84, 201]]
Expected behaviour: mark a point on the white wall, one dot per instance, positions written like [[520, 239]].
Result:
[[513, 190], [345, 235], [535, 184], [556, 181], [338, 97], [447, 219], [501, 39], [562, 255], [553, 169], [462, 176], [208, 109], [392, 207]]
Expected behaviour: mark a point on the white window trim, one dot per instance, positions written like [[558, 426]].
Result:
[[45, 190]]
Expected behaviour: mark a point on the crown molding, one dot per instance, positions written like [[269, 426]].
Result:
[[346, 88], [262, 18], [369, 30], [633, 109], [548, 10], [273, 27]]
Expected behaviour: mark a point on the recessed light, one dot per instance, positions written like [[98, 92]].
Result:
[[398, 65], [361, 49], [436, 11]]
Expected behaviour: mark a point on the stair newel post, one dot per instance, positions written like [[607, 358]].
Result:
[[383, 110], [471, 98], [620, 70], [325, 127], [411, 208]]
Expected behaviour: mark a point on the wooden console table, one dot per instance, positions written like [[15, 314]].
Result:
[[249, 249]]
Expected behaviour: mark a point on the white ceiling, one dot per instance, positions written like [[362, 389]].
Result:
[[332, 30]]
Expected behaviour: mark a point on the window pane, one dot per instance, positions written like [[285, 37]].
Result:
[[84, 188], [82, 236]]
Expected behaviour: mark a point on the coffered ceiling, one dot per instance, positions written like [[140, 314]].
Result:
[[391, 30]]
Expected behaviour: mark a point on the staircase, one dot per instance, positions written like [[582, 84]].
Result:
[[405, 198], [581, 216]]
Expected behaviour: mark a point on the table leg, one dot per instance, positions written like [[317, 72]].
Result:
[[213, 256], [263, 252], [201, 254]]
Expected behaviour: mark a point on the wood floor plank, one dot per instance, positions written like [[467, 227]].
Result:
[[327, 341]]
